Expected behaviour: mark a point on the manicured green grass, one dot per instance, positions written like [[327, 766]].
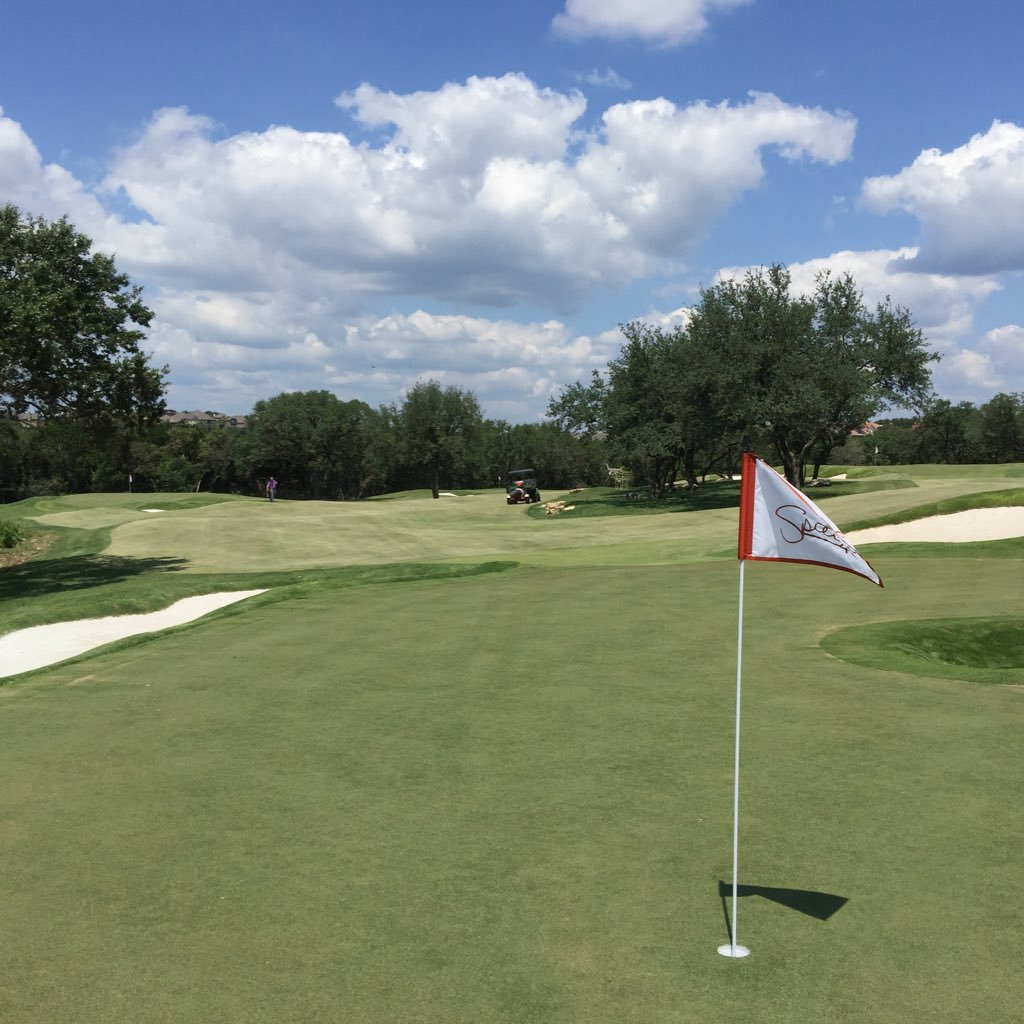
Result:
[[713, 494], [982, 649], [503, 796]]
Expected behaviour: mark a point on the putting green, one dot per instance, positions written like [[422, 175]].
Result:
[[507, 797]]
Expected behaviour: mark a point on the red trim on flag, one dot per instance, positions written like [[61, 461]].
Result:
[[748, 483], [750, 508], [824, 565]]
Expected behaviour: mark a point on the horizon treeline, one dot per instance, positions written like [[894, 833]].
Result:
[[793, 375], [320, 447]]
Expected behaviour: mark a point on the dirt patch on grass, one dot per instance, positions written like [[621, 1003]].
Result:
[[32, 547]]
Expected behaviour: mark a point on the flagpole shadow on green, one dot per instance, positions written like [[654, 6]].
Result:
[[821, 905]]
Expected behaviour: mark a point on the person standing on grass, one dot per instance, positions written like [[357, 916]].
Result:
[[271, 489]]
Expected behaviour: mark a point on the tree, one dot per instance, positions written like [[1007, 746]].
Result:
[[946, 431], [381, 457], [216, 457], [806, 369], [439, 428], [560, 458], [641, 408], [312, 442], [13, 460], [70, 327], [1002, 437], [580, 408], [657, 408], [896, 443]]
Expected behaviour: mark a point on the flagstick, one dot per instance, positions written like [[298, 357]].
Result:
[[731, 948]]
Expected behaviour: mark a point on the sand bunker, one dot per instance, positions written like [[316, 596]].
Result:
[[957, 528], [39, 646]]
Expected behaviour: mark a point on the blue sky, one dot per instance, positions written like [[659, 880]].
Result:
[[354, 196]]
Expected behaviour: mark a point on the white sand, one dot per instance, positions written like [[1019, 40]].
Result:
[[957, 528], [38, 646]]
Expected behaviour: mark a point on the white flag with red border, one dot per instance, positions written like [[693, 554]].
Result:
[[778, 523]]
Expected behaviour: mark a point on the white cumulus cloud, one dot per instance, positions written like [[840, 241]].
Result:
[[608, 79], [662, 22], [488, 194], [970, 203], [994, 363]]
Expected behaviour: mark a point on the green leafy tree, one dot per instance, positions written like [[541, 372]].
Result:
[[70, 327], [1002, 430], [656, 409], [63, 455], [661, 407], [439, 429], [897, 444], [218, 449], [560, 458], [382, 459], [806, 369], [312, 442], [946, 432], [13, 460], [581, 408], [145, 458], [641, 409]]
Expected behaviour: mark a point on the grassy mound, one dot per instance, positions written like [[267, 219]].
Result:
[[987, 650], [711, 495]]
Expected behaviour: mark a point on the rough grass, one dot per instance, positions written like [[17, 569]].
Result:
[[504, 796]]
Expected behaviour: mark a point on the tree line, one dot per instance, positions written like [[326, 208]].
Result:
[[791, 375], [315, 444]]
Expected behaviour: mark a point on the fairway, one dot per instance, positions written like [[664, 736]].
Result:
[[250, 535], [396, 795]]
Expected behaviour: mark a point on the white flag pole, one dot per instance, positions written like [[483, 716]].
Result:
[[733, 949]]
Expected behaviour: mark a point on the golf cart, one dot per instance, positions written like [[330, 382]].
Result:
[[521, 486]]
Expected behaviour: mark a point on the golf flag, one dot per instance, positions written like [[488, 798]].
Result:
[[778, 523]]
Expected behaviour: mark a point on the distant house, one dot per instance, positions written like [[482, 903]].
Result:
[[201, 418], [865, 430], [196, 418]]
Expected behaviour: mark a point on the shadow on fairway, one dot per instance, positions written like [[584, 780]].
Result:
[[821, 905], [78, 573]]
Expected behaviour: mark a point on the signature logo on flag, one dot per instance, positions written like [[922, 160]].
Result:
[[796, 517]]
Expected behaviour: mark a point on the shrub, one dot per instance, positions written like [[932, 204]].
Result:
[[11, 534]]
